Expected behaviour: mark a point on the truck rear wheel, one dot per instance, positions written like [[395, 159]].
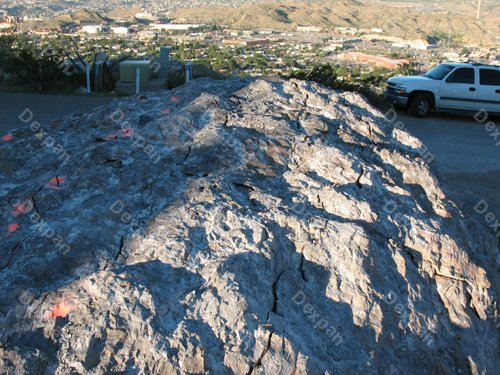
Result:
[[420, 105]]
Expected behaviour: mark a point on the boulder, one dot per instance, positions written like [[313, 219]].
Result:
[[249, 226]]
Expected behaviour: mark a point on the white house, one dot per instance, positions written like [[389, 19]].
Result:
[[92, 29], [174, 26], [309, 29], [120, 30]]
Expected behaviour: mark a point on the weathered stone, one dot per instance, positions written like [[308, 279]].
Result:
[[144, 119], [248, 226]]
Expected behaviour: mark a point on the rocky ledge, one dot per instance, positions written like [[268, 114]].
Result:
[[247, 226]]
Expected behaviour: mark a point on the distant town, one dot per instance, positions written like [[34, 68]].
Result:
[[284, 51], [363, 55]]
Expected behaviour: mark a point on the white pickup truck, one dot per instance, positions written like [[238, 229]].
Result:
[[453, 87]]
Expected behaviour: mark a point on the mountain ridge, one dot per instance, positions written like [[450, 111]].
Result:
[[395, 19]]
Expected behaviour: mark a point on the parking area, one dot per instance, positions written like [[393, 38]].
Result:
[[459, 143]]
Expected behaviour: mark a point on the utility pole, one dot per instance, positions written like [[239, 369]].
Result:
[[478, 8]]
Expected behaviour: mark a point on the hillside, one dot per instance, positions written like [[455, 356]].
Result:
[[82, 15], [246, 226], [397, 19], [124, 12]]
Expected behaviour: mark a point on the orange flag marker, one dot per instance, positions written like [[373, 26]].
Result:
[[12, 228], [61, 310], [21, 208], [55, 182]]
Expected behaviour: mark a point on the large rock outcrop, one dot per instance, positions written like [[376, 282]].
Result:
[[247, 226]]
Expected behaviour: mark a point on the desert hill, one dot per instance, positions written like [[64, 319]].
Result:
[[82, 15], [396, 19]]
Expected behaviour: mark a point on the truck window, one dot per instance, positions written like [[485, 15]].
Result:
[[462, 75], [439, 72], [490, 77]]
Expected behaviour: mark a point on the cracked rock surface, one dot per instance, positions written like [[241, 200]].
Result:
[[248, 226]]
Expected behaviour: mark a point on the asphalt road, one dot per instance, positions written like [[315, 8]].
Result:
[[458, 143], [467, 153], [44, 107]]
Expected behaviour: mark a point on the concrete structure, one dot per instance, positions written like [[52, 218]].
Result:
[[128, 70], [153, 74]]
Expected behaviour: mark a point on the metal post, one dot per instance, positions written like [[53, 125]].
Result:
[[164, 63], [137, 80], [98, 77], [189, 71], [87, 75]]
